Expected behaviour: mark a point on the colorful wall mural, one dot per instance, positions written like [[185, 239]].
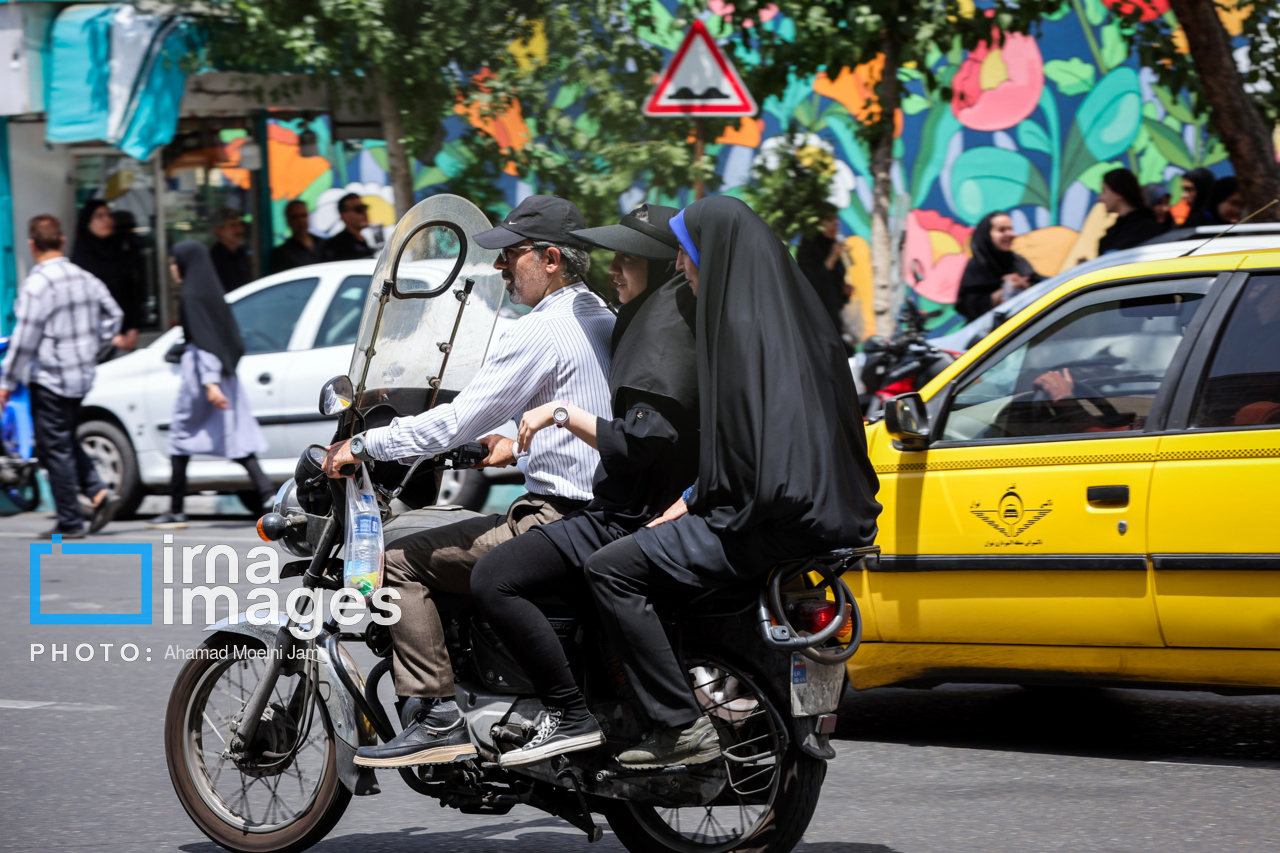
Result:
[[1033, 125]]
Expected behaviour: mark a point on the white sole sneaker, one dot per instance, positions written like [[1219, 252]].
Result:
[[519, 757], [435, 755]]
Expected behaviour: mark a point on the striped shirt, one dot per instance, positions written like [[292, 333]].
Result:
[[558, 351], [65, 316]]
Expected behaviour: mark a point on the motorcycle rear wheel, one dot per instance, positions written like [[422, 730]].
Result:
[[209, 690], [773, 787]]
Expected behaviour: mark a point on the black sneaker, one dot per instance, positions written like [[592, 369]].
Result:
[[168, 521], [434, 737], [64, 532], [696, 743], [104, 511], [557, 733]]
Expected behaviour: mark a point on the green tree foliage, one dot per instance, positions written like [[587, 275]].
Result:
[[591, 141], [791, 187], [419, 56]]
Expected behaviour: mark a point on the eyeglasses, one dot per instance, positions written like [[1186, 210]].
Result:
[[357, 208], [506, 259]]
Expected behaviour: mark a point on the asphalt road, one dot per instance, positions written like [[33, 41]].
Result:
[[959, 768]]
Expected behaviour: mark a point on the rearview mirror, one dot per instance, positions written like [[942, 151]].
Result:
[[907, 421], [336, 396]]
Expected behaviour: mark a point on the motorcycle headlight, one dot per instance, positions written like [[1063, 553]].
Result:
[[295, 538]]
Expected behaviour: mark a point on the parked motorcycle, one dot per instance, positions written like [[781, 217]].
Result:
[[17, 448], [262, 725], [887, 368]]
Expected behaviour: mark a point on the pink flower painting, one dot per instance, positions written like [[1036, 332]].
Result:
[[935, 254], [998, 86]]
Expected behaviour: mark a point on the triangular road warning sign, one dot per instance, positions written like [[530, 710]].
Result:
[[699, 80]]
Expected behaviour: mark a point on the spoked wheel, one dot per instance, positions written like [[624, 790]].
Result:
[[772, 788], [283, 793]]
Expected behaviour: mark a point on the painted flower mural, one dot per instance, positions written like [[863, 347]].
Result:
[[999, 83], [1147, 10], [934, 255]]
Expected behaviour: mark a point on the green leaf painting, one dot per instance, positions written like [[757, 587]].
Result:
[[1109, 117], [986, 178], [1170, 144], [1074, 76], [1034, 137]]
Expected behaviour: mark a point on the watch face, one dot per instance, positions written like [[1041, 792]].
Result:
[[560, 415]]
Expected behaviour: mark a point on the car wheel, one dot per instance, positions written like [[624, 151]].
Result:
[[112, 455], [468, 489]]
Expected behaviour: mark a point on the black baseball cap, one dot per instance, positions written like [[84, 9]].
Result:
[[643, 232], [542, 218]]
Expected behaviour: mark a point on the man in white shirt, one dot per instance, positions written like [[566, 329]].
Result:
[[65, 316], [559, 351]]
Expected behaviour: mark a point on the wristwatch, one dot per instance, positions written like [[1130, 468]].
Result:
[[358, 448], [560, 415]]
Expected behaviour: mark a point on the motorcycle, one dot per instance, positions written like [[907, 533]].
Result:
[[17, 448], [887, 368], [262, 724]]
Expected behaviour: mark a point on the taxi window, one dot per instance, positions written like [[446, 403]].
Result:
[[1095, 369], [1242, 387]]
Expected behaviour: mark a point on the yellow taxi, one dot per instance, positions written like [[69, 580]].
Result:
[[1091, 494]]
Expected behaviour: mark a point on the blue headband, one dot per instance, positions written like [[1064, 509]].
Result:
[[686, 242]]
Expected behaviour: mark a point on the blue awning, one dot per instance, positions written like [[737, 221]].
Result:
[[117, 77]]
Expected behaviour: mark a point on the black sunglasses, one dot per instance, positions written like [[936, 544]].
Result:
[[358, 208]]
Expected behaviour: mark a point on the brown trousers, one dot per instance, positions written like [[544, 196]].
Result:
[[442, 559]]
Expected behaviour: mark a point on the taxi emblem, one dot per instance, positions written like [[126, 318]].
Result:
[[1009, 515]]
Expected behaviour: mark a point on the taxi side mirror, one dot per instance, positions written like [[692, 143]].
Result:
[[907, 421]]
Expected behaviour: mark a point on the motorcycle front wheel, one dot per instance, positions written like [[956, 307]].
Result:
[[275, 799], [772, 788]]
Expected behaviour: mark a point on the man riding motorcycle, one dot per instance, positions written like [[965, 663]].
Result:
[[560, 350]]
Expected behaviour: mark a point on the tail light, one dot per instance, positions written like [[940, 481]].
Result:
[[813, 616]]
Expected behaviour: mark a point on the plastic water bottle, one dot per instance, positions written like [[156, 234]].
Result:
[[362, 568]]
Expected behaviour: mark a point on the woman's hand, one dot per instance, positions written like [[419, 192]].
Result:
[[536, 420], [215, 396], [673, 512]]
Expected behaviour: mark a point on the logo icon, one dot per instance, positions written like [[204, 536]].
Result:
[[141, 549], [1010, 516]]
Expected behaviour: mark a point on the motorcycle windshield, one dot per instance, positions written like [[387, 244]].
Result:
[[429, 258]]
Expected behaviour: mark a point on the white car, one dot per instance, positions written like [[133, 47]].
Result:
[[299, 328]]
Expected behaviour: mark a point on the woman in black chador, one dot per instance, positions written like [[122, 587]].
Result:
[[782, 466], [648, 454]]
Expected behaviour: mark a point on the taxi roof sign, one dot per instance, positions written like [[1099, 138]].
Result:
[[700, 81]]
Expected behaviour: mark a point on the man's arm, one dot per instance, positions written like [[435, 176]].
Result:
[[112, 314], [31, 311], [522, 362]]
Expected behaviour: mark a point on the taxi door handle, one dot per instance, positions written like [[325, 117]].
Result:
[[264, 379], [1109, 495]]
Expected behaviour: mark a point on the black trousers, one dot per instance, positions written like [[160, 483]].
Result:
[[178, 482], [624, 585], [71, 472]]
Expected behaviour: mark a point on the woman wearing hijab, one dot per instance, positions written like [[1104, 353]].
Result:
[[1224, 205], [1135, 222], [211, 415], [783, 470], [995, 272], [1196, 186], [648, 454], [100, 251]]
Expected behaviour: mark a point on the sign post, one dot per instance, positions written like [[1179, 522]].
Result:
[[699, 81]]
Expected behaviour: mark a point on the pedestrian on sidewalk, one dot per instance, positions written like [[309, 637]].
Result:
[[349, 243], [230, 255], [302, 247], [211, 415], [65, 316], [107, 254]]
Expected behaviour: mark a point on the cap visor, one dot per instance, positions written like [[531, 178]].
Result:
[[497, 238], [620, 238]]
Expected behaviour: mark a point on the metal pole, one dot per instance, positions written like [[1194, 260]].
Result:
[[699, 148]]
